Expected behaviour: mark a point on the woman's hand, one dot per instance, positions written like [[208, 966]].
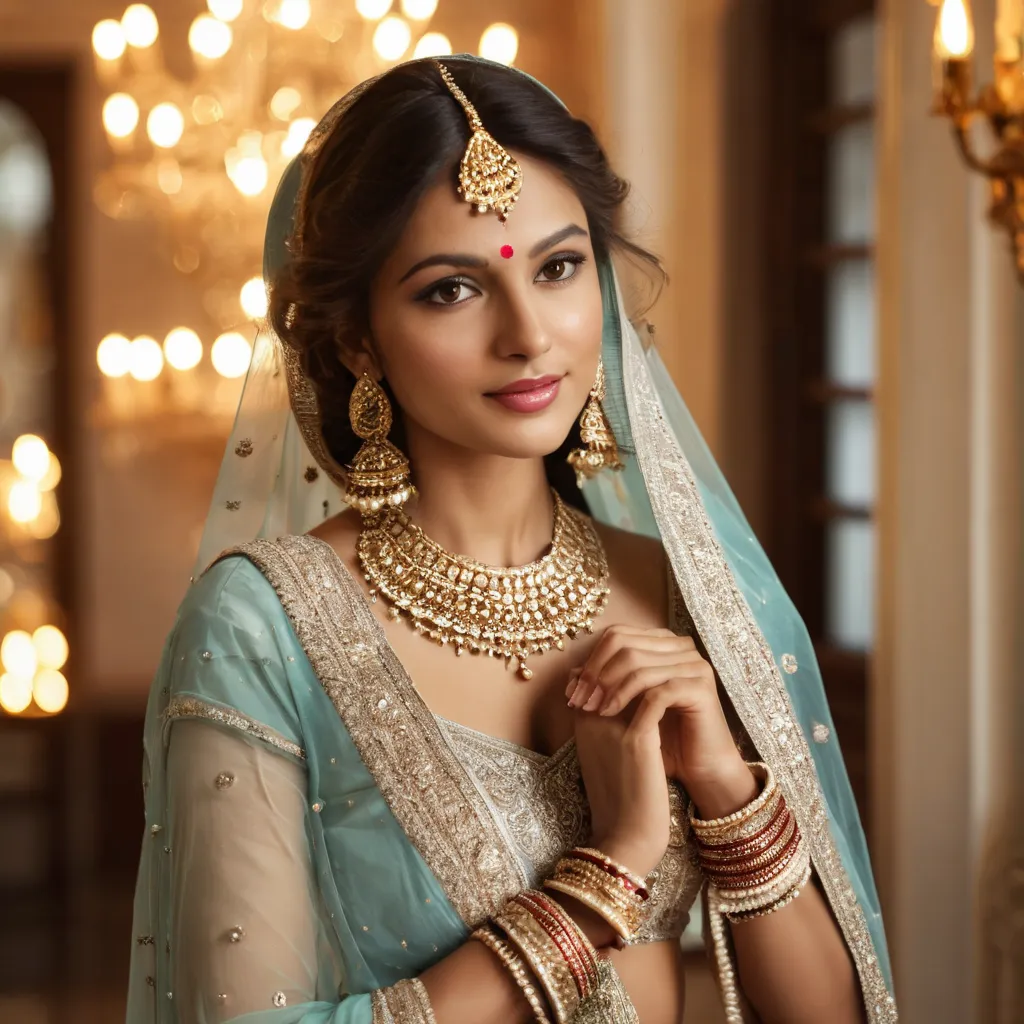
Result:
[[674, 690], [624, 774]]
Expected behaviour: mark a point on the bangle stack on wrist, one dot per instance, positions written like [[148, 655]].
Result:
[[610, 890], [538, 942], [755, 860]]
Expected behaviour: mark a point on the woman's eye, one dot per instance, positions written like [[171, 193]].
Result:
[[561, 268], [449, 293]]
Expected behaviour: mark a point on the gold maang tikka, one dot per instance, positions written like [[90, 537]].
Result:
[[489, 176]]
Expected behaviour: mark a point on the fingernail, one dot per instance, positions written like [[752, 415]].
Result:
[[572, 696], [594, 702]]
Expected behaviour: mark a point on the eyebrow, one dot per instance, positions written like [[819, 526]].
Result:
[[457, 259]]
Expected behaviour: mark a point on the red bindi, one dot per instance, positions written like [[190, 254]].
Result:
[[506, 252]]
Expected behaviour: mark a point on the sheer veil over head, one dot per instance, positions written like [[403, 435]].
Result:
[[278, 478]]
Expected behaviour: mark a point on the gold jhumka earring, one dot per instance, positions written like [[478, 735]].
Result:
[[379, 473], [599, 450], [489, 176]]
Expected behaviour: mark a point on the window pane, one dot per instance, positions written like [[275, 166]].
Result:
[[851, 185], [853, 62], [851, 453], [851, 583], [850, 359]]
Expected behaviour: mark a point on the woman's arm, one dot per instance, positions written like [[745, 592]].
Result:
[[247, 934], [793, 964]]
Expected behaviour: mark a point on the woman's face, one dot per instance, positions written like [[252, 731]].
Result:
[[489, 333]]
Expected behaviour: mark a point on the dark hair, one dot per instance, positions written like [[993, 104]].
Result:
[[394, 141]]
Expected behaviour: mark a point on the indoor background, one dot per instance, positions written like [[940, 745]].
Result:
[[844, 321]]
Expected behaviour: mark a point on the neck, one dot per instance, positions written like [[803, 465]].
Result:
[[493, 509]]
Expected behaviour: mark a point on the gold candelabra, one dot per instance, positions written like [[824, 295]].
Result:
[[1001, 103]]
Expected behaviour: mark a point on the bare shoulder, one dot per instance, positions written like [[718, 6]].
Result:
[[341, 531], [636, 569]]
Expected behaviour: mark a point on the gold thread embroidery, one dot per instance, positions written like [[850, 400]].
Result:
[[192, 707], [744, 661]]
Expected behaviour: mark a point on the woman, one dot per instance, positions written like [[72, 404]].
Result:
[[347, 821]]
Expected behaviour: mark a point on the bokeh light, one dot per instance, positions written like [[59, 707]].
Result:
[[108, 41], [209, 37], [432, 44], [31, 457], [231, 354], [253, 298], [140, 25], [182, 348], [50, 690], [165, 125], [51, 647], [391, 38], [120, 115], [145, 358], [15, 693], [500, 42], [18, 654]]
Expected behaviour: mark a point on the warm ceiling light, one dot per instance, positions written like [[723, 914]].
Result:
[[51, 478], [419, 10], [145, 358], [165, 125], [231, 354], [140, 26], [18, 654], [373, 10], [225, 10], [51, 647], [15, 693], [24, 502], [50, 690], [31, 456], [169, 177], [298, 132], [108, 41], [120, 115], [500, 42], [112, 355], [182, 348], [433, 44], [293, 14], [391, 38], [253, 298], [285, 102], [209, 37]]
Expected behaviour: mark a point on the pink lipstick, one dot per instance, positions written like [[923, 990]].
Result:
[[528, 395]]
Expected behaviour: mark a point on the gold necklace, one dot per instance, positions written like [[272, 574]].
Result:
[[506, 612]]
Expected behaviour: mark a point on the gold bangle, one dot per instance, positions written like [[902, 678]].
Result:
[[573, 944], [768, 790], [516, 967], [784, 900], [543, 957]]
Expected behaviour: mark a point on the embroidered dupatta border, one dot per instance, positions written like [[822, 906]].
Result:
[[746, 666], [429, 792]]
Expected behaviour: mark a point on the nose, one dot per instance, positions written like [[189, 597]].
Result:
[[521, 330]]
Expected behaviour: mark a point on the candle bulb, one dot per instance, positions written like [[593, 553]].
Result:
[[953, 46]]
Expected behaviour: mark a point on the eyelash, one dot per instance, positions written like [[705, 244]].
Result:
[[576, 259]]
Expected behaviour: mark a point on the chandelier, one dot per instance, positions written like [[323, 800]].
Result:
[[1000, 103], [199, 154]]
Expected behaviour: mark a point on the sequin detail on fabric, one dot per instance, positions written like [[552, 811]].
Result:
[[746, 665], [192, 707]]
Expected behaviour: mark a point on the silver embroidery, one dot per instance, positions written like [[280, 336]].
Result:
[[192, 707], [280, 999], [744, 662], [789, 663], [224, 780], [820, 733], [235, 934]]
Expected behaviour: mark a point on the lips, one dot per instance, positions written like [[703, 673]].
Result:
[[528, 395]]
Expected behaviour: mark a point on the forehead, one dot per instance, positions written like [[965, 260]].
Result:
[[444, 222]]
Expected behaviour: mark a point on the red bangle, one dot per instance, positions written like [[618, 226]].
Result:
[[610, 868], [582, 963]]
